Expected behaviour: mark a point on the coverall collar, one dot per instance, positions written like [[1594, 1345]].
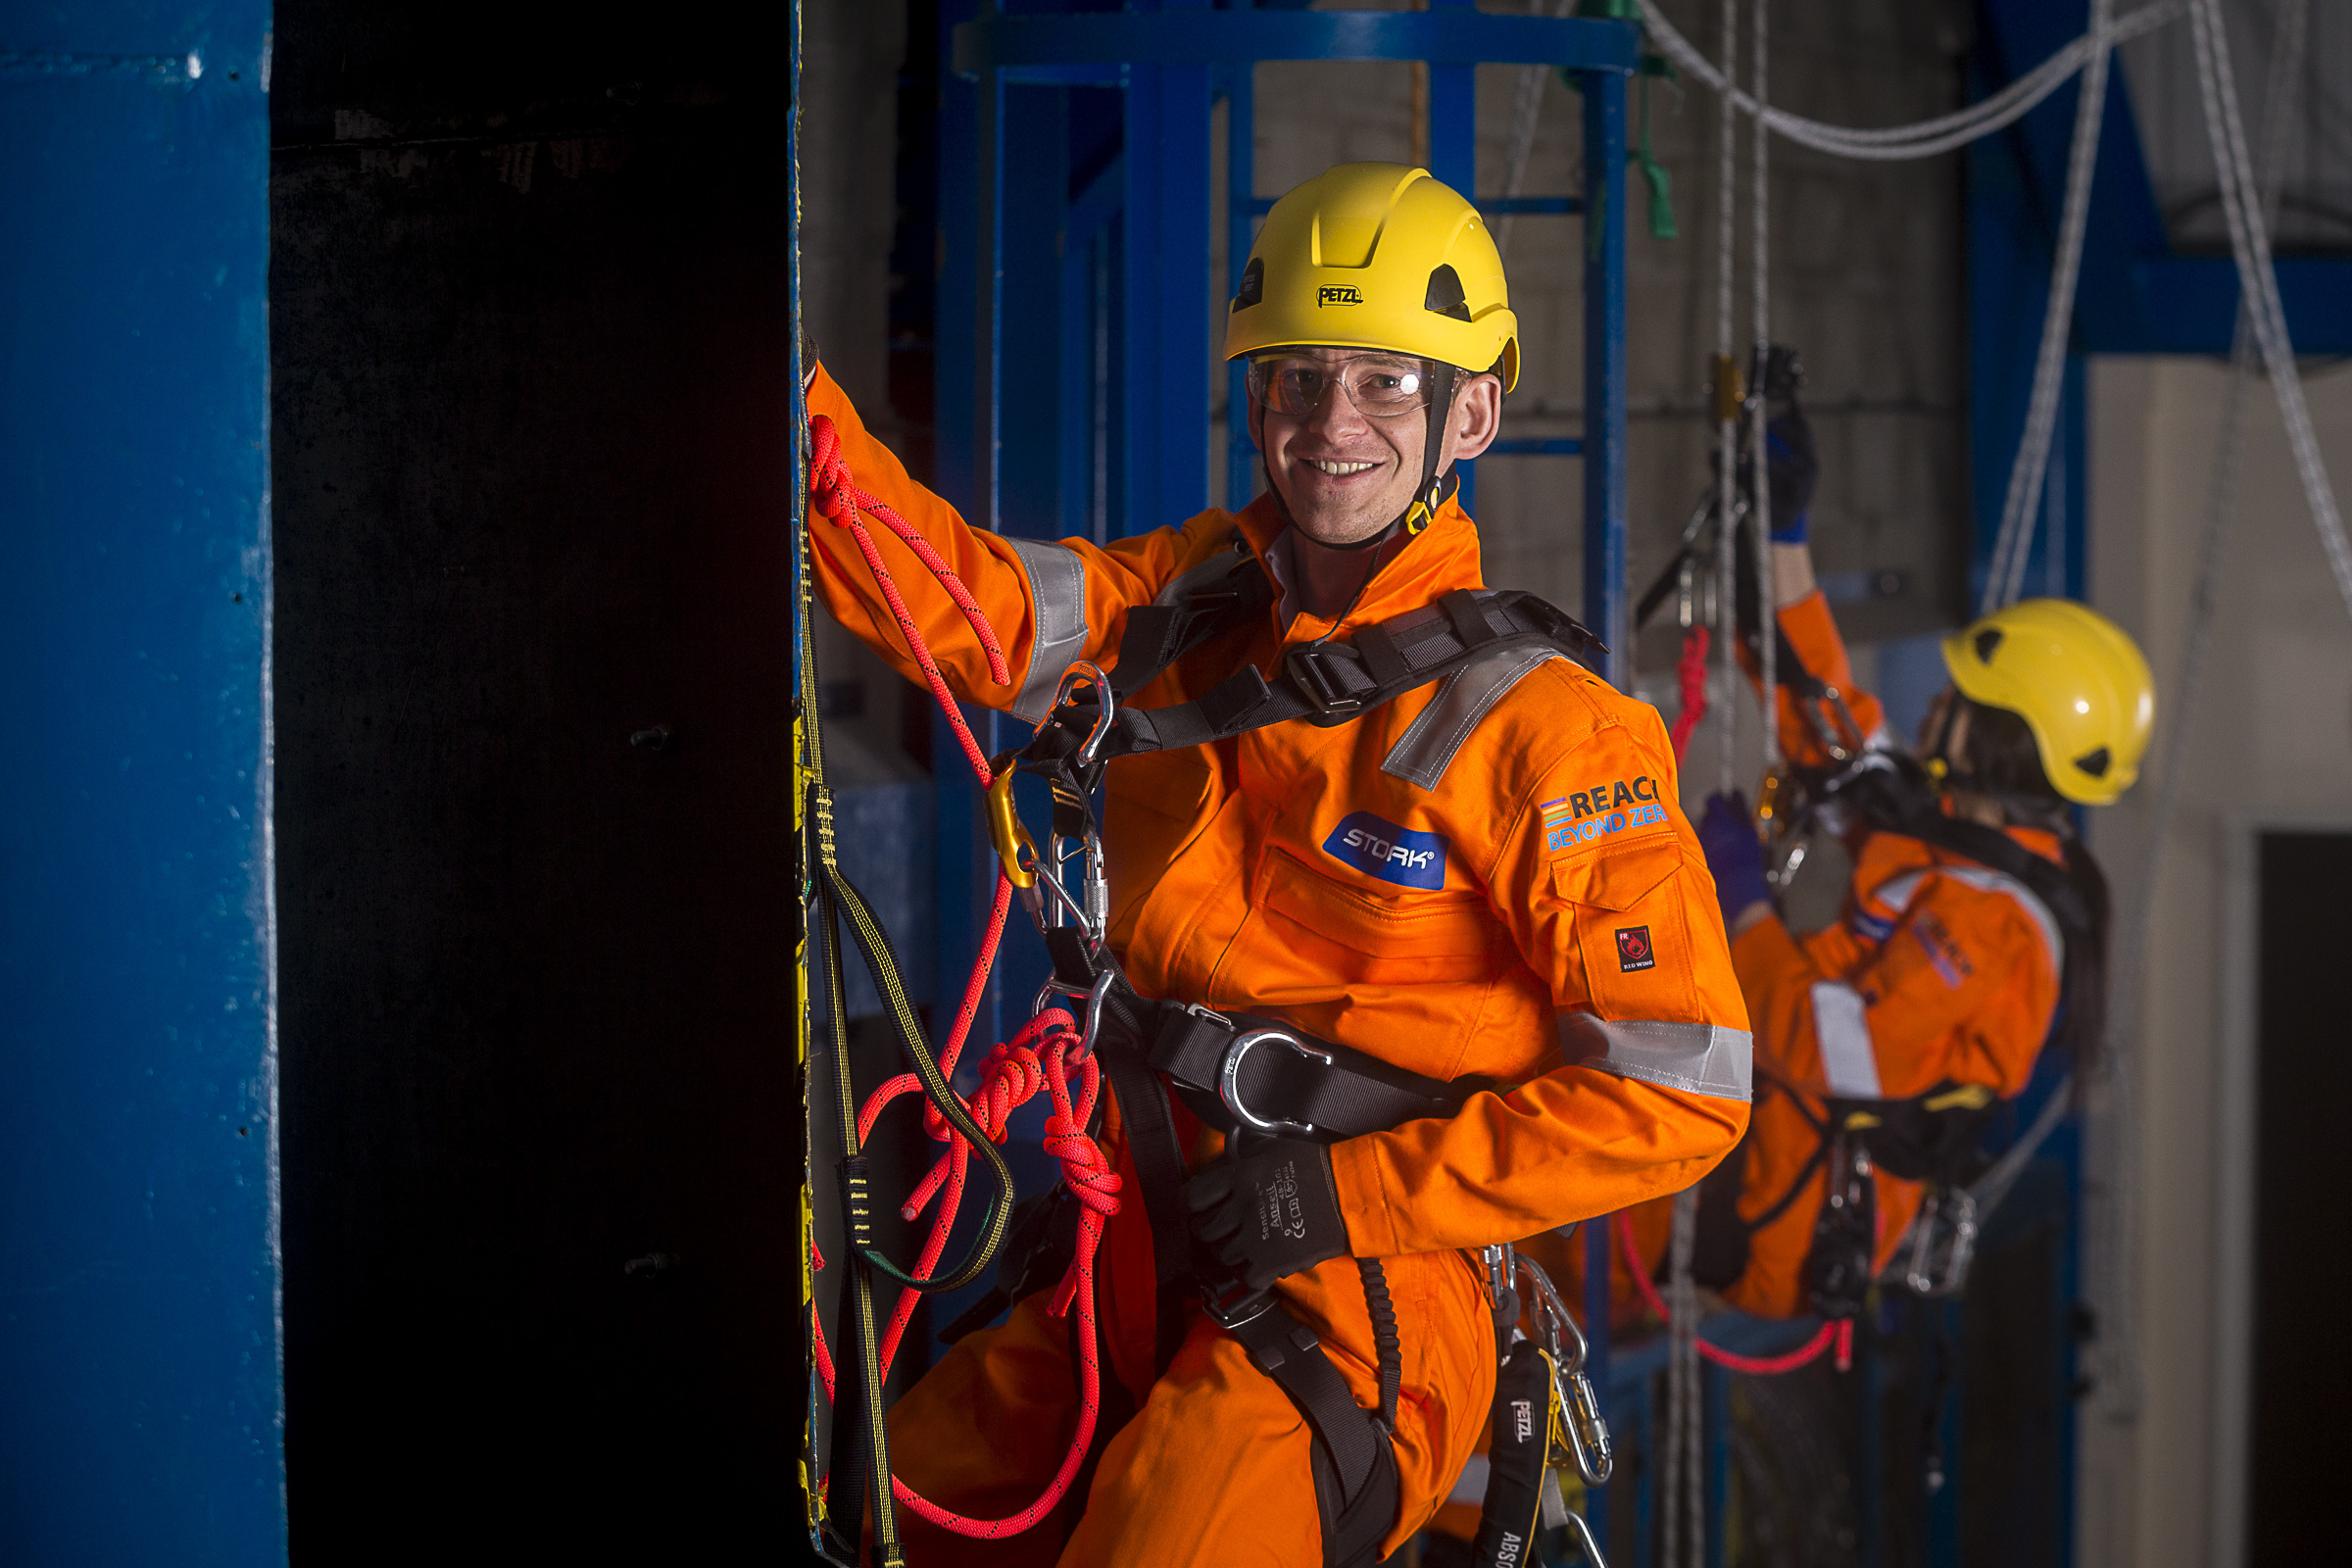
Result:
[[1410, 572]]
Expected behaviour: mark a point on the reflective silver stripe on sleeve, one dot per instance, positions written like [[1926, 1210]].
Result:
[[1426, 748], [1701, 1058], [1057, 600], [1841, 1025]]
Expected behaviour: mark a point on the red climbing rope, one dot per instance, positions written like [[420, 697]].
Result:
[[1040, 1056], [1840, 1333], [1692, 671], [834, 492]]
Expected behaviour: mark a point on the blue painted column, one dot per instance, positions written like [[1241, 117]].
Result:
[[140, 1396], [1604, 608], [1241, 218], [1166, 298], [1606, 370]]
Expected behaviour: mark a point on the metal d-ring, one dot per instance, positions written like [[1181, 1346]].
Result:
[[1052, 984], [1229, 1079]]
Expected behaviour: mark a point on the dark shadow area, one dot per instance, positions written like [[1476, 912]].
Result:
[[2301, 1379], [528, 324]]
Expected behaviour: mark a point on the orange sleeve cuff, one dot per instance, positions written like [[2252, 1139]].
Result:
[[1356, 1170]]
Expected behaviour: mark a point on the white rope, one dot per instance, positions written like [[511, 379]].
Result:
[[1925, 138], [1760, 444], [1526, 109], [2006, 574], [1727, 430], [2258, 282], [1991, 1188]]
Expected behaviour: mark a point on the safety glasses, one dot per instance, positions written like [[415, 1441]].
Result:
[[1381, 386]]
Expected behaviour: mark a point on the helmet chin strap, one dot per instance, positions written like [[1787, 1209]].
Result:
[[1430, 494]]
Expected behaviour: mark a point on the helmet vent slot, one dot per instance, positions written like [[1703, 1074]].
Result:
[[1445, 296], [1253, 284], [2095, 762], [1986, 641]]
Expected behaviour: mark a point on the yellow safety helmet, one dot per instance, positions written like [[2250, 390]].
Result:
[[2076, 678], [1377, 256]]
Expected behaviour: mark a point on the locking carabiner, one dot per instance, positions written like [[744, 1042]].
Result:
[[1586, 1439]]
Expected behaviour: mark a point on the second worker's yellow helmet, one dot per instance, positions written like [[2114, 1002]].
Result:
[[2078, 680], [1377, 256]]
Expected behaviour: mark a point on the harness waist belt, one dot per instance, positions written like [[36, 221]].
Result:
[[1251, 1074]]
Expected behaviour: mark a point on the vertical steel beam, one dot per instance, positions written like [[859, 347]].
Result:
[[1241, 219], [1453, 158], [1168, 311], [139, 1348], [1604, 516], [1604, 371]]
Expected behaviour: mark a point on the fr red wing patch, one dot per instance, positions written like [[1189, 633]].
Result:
[[1634, 951]]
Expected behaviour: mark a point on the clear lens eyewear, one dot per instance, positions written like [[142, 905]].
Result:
[[1379, 389]]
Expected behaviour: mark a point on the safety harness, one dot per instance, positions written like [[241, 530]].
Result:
[[1927, 1137], [1245, 1076]]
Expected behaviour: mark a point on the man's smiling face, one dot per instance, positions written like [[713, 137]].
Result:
[[1344, 475]]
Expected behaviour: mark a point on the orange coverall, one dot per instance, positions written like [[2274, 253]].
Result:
[[1939, 969], [1563, 940]]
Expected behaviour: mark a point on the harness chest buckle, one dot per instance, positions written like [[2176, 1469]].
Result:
[[1229, 1079], [1306, 671]]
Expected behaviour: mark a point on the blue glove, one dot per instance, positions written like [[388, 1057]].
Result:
[[1727, 835], [1791, 532]]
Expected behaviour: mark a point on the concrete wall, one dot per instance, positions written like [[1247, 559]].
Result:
[[2272, 741]]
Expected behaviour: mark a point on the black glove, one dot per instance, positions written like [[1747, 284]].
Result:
[[1267, 1211]]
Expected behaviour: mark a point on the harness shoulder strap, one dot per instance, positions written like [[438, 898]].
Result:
[[1335, 682]]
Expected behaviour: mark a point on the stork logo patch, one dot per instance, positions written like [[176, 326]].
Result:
[[1340, 294], [1634, 951], [1393, 854]]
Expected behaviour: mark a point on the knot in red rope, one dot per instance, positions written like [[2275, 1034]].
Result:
[[1083, 1168], [830, 486], [1010, 1077]]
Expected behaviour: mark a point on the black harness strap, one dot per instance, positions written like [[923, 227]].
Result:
[[1315, 1088], [1354, 1464], [1325, 683]]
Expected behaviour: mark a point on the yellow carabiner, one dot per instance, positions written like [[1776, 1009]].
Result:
[[1005, 831]]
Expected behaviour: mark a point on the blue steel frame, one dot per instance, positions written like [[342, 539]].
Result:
[[1098, 423], [141, 1417]]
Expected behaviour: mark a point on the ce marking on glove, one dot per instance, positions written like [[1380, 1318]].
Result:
[[1278, 1210]]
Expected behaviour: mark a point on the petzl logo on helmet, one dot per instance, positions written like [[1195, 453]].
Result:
[[1388, 852], [1338, 294]]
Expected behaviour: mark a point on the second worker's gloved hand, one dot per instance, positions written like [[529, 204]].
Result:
[[1727, 835], [1266, 1210]]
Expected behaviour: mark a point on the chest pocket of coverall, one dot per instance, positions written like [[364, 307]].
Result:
[[1633, 890], [1371, 939]]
